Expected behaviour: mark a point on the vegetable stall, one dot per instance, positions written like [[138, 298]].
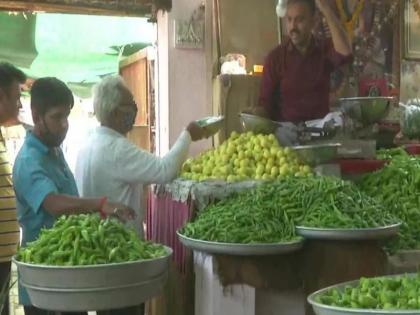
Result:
[[287, 231], [244, 239]]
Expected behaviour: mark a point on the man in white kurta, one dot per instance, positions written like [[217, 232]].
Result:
[[110, 165]]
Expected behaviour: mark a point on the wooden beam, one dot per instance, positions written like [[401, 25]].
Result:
[[165, 5], [143, 8]]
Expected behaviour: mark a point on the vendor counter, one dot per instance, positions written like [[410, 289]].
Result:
[[227, 284], [169, 208]]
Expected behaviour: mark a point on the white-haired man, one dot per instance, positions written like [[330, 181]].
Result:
[[110, 165]]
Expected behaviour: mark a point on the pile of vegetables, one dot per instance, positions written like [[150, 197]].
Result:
[[254, 216], [326, 202], [389, 154], [397, 187], [245, 156], [384, 293], [87, 240], [269, 213]]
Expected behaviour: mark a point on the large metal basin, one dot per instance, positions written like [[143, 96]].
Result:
[[321, 309], [240, 249], [376, 233], [95, 299], [95, 276]]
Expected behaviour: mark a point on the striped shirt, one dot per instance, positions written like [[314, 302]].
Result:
[[9, 227]]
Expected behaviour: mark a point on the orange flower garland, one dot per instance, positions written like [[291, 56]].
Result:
[[349, 24]]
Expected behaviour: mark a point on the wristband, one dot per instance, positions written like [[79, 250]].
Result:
[[101, 207]]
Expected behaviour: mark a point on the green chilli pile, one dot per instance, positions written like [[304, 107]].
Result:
[[326, 202], [270, 212], [384, 293], [397, 187], [77, 240], [252, 216]]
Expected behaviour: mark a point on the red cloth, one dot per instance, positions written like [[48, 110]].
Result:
[[164, 217], [376, 87], [296, 87]]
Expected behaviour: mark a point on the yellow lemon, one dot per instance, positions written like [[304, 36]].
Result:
[[274, 171]]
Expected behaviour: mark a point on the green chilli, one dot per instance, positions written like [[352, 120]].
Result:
[[87, 240]]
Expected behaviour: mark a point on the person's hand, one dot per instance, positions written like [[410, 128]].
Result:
[[196, 132], [119, 210], [287, 134]]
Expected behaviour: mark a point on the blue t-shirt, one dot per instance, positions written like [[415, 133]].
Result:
[[38, 171]]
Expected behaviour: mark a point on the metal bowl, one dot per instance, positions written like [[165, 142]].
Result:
[[95, 287], [257, 124], [106, 298], [348, 234], [93, 276], [322, 309], [211, 124], [366, 110], [234, 249], [317, 154]]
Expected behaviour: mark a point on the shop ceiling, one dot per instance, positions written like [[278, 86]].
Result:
[[139, 8], [82, 48]]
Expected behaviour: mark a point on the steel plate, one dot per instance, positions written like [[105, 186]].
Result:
[[94, 276], [240, 249], [211, 124], [348, 234], [95, 299], [321, 309]]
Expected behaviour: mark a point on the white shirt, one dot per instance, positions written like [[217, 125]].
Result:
[[110, 165]]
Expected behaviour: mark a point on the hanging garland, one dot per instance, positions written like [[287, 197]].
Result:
[[416, 6], [364, 44], [350, 24]]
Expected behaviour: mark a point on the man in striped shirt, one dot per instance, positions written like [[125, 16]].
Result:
[[11, 79]]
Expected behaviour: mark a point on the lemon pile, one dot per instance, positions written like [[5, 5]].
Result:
[[245, 156]]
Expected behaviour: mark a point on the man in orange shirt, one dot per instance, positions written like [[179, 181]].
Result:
[[10, 80]]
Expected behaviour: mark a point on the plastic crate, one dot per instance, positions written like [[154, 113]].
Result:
[[413, 149], [359, 166]]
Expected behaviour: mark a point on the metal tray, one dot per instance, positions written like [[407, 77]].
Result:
[[348, 234], [317, 154], [321, 309], [94, 276], [95, 299], [240, 249]]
